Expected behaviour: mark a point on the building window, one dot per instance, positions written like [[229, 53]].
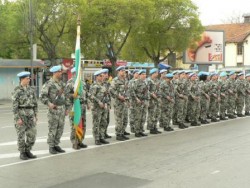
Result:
[[239, 48]]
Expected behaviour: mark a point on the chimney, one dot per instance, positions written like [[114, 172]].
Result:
[[246, 18]]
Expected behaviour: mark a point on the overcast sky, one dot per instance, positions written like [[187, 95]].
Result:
[[219, 11]]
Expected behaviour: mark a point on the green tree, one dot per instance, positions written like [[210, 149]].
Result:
[[173, 24], [108, 24]]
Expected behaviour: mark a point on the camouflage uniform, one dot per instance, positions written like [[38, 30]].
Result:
[[174, 118], [247, 98], [69, 91], [181, 100], [194, 100], [106, 84], [141, 93], [99, 115], [214, 94], [153, 104], [167, 103], [132, 105], [204, 101], [52, 93], [231, 97], [119, 87], [241, 92], [25, 108], [224, 98]]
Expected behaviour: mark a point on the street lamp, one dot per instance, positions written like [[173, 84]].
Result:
[[31, 41]]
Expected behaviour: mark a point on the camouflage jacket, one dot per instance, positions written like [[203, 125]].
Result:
[[69, 90], [153, 87], [141, 90], [53, 92], [97, 94], [119, 87], [214, 91], [167, 90], [231, 84], [24, 102], [194, 89], [240, 87]]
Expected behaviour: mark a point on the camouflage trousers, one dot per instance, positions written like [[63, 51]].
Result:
[[152, 114], [240, 101], [140, 117], [204, 103], [99, 118], [167, 109], [26, 133], [107, 114], [180, 107], [247, 103], [223, 106], [56, 121], [121, 115], [194, 110], [231, 104], [214, 108], [73, 138], [132, 115]]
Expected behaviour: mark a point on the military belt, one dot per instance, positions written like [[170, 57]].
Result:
[[25, 107]]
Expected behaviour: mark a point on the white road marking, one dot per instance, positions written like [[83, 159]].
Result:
[[215, 172]]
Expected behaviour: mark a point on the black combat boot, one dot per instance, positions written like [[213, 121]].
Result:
[[143, 134], [52, 150], [82, 145], [23, 156], [107, 136], [97, 142], [158, 132], [30, 155], [152, 131], [120, 137], [59, 149], [104, 141], [76, 146], [126, 133]]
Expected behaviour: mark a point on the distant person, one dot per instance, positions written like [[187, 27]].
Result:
[[25, 111]]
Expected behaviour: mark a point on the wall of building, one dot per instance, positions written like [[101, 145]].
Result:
[[231, 55], [8, 81], [247, 52]]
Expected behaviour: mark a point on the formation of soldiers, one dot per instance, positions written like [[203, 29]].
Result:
[[161, 100]]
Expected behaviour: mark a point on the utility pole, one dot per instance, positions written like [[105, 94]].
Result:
[[31, 41]]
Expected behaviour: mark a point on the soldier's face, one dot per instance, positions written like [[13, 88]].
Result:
[[59, 74], [143, 76], [122, 73], [136, 75], [25, 81], [248, 78]]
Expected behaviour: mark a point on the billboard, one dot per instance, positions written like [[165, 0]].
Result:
[[209, 50]]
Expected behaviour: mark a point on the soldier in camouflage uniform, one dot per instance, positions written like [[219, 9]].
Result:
[[167, 101], [25, 115], [69, 94], [141, 96], [106, 84], [223, 95], [132, 103], [241, 92], [175, 81], [247, 98], [181, 99], [214, 94], [231, 95], [153, 89], [204, 97], [118, 91], [52, 95], [163, 73], [99, 109], [194, 100]]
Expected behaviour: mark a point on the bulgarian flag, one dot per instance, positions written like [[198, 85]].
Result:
[[78, 89]]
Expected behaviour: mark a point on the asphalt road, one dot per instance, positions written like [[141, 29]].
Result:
[[212, 156]]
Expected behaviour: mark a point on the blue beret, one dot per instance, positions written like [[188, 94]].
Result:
[[152, 71], [169, 75], [135, 71], [163, 66], [120, 68], [188, 71], [175, 72], [105, 70], [222, 74], [163, 70], [213, 74], [73, 70], [203, 73], [247, 75], [98, 72], [231, 73], [142, 71], [55, 68], [240, 74], [181, 71], [23, 74], [192, 74]]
